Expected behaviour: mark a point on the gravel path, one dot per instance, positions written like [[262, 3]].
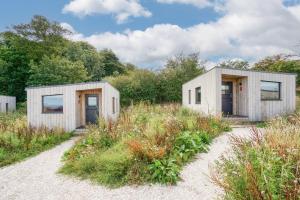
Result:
[[36, 178]]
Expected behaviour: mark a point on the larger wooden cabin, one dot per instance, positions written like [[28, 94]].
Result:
[[251, 95], [72, 106]]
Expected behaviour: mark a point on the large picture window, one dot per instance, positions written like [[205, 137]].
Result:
[[52, 104], [270, 90], [198, 95]]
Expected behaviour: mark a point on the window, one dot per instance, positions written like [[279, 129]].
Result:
[[92, 101], [6, 107], [113, 105], [198, 95], [189, 96], [52, 104], [270, 90]]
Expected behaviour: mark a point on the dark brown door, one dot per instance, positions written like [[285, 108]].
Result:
[[227, 103], [91, 108]]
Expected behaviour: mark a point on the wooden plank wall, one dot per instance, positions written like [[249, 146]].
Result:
[[261, 110], [70, 118], [207, 82], [11, 103]]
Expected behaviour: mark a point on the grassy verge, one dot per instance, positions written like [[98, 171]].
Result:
[[17, 141], [267, 167], [148, 144]]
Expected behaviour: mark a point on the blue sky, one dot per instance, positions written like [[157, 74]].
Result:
[[147, 32]]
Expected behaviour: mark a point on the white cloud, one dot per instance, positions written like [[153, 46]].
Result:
[[197, 3], [121, 9], [247, 29]]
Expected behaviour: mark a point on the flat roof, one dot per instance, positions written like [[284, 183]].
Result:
[[62, 85], [251, 70], [2, 95], [248, 70]]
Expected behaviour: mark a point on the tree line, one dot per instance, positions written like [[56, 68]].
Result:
[[38, 53]]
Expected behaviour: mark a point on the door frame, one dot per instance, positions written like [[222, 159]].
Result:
[[86, 106], [232, 99]]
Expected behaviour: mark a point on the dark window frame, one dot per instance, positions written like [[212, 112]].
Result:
[[190, 96], [198, 101], [114, 105], [61, 112], [271, 99]]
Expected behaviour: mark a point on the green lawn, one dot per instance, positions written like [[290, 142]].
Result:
[[149, 143], [17, 141]]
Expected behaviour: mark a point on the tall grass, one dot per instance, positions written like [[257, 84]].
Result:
[[149, 143], [266, 167], [18, 141], [298, 100]]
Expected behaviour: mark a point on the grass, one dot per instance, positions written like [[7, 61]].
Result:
[[266, 167], [298, 100], [18, 141], [148, 144]]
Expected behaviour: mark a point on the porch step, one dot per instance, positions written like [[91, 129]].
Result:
[[80, 131], [237, 119]]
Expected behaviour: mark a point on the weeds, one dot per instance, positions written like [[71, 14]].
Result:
[[18, 141], [265, 167], [154, 142]]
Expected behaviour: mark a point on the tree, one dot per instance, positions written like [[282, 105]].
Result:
[[235, 64], [279, 63], [177, 71], [136, 85], [13, 71], [92, 60], [56, 70], [39, 37], [112, 65]]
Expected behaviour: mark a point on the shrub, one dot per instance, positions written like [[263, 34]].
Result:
[[148, 143], [164, 171], [18, 141], [266, 167]]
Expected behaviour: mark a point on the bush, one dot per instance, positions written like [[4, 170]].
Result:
[[148, 143], [164, 171], [266, 167], [18, 141]]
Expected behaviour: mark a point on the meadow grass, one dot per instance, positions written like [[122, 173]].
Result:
[[298, 100], [18, 141], [265, 167], [148, 144]]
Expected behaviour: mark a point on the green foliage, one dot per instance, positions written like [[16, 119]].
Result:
[[177, 71], [164, 171], [135, 86], [17, 141], [235, 64], [149, 143], [279, 63], [56, 70], [266, 167]]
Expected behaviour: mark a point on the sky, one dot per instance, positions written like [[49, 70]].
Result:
[[148, 32]]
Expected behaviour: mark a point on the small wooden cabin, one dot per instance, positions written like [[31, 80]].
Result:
[[72, 106], [252, 95], [7, 104]]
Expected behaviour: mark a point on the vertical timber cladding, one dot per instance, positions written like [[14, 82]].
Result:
[[73, 112], [7, 103], [247, 93], [261, 110]]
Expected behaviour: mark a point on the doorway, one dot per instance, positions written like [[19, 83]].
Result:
[[91, 108], [227, 98]]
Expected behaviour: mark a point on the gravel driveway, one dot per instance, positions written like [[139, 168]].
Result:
[[36, 178]]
